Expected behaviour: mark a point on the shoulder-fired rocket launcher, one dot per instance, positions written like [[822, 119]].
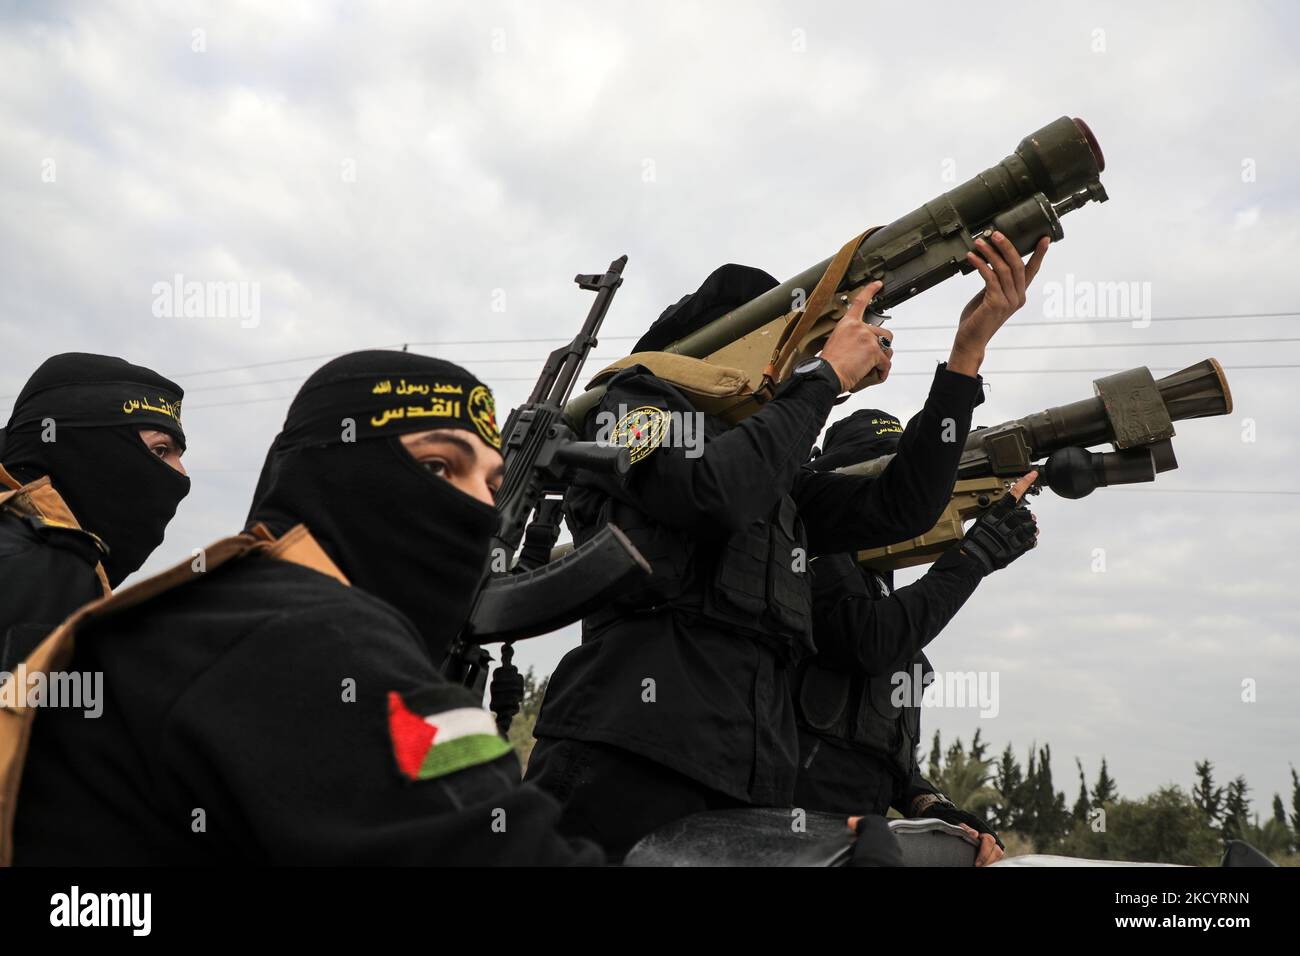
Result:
[[1132, 410], [1053, 171]]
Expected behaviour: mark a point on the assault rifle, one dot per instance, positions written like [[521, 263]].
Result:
[[532, 595]]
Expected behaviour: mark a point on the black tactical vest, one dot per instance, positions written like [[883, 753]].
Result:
[[754, 580], [859, 709]]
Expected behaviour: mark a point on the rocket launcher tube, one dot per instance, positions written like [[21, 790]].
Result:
[[1053, 171], [1132, 410]]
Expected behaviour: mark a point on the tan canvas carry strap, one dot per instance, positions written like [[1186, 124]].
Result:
[[710, 388], [297, 546], [801, 322], [40, 499]]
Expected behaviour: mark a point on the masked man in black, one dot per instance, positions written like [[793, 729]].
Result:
[[856, 699], [282, 702], [90, 475], [678, 699]]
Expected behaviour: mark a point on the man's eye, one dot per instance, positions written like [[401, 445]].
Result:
[[161, 450], [436, 465]]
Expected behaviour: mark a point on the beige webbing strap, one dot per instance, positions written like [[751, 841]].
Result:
[[55, 651], [297, 546], [813, 310], [39, 498]]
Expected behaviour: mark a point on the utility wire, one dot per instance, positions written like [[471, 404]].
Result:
[[983, 372], [904, 327], [1001, 348], [909, 328]]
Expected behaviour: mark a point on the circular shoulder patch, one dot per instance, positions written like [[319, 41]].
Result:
[[483, 413], [641, 430]]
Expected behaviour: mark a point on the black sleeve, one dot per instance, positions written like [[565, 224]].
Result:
[[858, 632], [267, 737], [905, 791], [845, 512], [45, 575], [738, 475]]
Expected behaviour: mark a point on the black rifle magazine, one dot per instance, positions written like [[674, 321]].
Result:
[[529, 603]]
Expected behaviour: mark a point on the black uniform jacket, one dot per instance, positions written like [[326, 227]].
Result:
[[254, 716], [868, 631], [701, 699], [47, 568]]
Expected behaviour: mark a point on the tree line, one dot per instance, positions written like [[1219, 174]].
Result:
[[1022, 802], [1171, 825]]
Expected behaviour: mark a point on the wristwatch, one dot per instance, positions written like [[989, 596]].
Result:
[[811, 367], [925, 801]]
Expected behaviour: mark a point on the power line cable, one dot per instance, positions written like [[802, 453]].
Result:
[[984, 372], [911, 328], [1000, 348]]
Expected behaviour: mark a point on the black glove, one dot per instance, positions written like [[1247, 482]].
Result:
[[950, 814], [876, 844], [1001, 534]]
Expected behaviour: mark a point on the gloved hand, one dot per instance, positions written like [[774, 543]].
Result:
[[950, 814], [876, 844], [1004, 532]]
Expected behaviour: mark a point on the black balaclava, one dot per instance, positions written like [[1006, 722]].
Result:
[[726, 287], [78, 420], [867, 433], [393, 527]]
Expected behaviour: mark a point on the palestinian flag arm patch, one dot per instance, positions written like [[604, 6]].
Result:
[[433, 744]]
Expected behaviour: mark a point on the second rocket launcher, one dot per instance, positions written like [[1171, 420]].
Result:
[[1053, 171], [1131, 410]]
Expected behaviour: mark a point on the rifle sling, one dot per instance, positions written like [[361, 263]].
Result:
[[800, 322]]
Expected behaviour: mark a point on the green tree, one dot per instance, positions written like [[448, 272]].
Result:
[[1025, 796], [1165, 827], [1279, 811], [1104, 791], [936, 754], [1007, 781], [1273, 839], [965, 780], [1206, 795], [1236, 810], [1278, 822], [1051, 819], [1082, 805], [521, 730], [1295, 806]]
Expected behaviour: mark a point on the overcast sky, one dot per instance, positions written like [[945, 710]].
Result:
[[389, 173]]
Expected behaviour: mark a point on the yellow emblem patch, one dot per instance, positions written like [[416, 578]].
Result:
[[641, 430], [483, 413]]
